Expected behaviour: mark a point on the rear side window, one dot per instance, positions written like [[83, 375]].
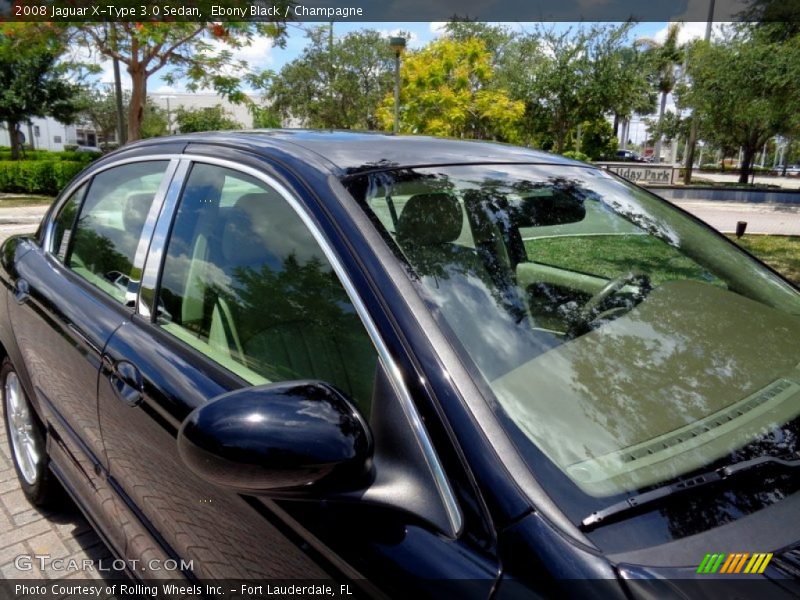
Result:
[[246, 284], [106, 234], [64, 223]]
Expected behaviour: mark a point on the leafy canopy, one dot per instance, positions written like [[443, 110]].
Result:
[[211, 118], [32, 82], [447, 89], [336, 82]]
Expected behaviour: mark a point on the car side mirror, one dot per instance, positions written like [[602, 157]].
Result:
[[282, 439]]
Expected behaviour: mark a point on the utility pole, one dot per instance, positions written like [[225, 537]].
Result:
[[692, 141]]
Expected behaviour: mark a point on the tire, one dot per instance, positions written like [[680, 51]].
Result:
[[26, 441]]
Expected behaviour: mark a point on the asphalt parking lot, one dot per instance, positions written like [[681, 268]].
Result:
[[65, 534]]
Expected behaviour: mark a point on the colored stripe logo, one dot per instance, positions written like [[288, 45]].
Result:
[[737, 562]]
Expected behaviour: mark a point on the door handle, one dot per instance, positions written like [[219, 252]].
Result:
[[22, 291], [126, 380]]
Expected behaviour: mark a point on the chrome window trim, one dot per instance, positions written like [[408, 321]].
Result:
[[153, 268]]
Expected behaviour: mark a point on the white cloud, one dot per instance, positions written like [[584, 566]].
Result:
[[258, 54], [437, 27], [412, 39], [690, 30]]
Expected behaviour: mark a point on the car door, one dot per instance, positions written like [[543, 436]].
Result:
[[68, 301], [247, 296]]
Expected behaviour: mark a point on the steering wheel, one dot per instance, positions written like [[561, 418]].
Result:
[[590, 310]]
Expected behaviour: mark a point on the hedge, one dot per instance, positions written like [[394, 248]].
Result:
[[37, 176], [67, 155]]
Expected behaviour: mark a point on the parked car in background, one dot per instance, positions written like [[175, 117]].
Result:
[[421, 367], [628, 156], [791, 170]]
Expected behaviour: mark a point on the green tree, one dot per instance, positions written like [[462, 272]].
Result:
[[447, 89], [665, 58], [568, 77], [670, 128], [495, 37], [598, 140], [155, 122], [211, 118], [623, 75], [265, 117], [98, 108], [744, 90], [32, 82], [336, 82], [199, 53]]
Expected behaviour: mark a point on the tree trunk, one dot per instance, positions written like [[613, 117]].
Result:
[[626, 124], [691, 143], [138, 101], [14, 139], [616, 124], [657, 151], [560, 139], [747, 161]]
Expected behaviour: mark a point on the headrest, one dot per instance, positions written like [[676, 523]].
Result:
[[433, 218], [243, 238], [135, 213]]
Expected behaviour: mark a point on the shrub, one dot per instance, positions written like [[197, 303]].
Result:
[[576, 155], [37, 176], [68, 155]]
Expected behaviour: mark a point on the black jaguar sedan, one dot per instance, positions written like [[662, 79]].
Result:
[[412, 365]]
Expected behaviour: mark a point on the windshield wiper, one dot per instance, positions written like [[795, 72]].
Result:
[[633, 503]]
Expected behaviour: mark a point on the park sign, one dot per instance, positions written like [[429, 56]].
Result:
[[641, 173]]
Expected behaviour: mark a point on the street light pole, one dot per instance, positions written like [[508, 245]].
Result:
[[397, 44]]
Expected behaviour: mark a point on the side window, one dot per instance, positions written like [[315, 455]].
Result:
[[245, 283], [106, 234], [64, 223]]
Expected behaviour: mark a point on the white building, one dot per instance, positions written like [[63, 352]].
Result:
[[49, 134], [171, 101]]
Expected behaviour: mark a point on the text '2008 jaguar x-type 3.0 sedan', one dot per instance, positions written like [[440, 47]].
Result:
[[418, 365]]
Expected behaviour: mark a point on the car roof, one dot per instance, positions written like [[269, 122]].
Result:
[[347, 152]]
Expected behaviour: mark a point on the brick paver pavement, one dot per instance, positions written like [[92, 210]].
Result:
[[26, 531]]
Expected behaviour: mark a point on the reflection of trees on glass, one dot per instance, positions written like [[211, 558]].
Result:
[[743, 496], [296, 321], [99, 252]]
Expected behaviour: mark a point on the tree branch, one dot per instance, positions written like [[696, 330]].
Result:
[[102, 45], [169, 51]]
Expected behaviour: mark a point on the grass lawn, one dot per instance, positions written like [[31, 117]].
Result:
[[781, 252], [14, 200], [609, 256]]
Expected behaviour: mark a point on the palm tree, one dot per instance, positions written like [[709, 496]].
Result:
[[665, 58]]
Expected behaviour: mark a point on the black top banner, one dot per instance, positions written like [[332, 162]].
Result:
[[386, 10]]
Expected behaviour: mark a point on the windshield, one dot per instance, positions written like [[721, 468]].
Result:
[[623, 340]]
